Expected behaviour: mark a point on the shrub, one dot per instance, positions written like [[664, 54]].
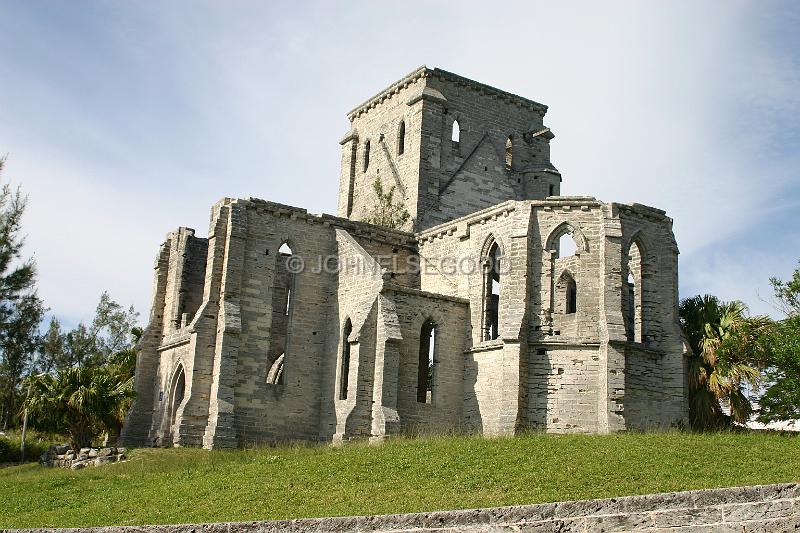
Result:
[[36, 443]]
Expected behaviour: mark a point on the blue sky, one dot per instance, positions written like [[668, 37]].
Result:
[[123, 120]]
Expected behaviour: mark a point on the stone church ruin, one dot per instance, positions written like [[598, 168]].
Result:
[[499, 307]]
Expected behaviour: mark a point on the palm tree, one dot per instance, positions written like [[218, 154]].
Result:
[[83, 400], [726, 355], [120, 372]]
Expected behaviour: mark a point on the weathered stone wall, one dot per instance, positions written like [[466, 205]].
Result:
[[440, 179], [177, 293], [359, 283], [443, 412], [380, 127], [472, 174], [756, 509], [574, 379], [563, 388], [242, 346]]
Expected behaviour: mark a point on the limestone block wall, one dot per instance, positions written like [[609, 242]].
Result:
[[483, 391], [656, 388], [582, 220], [375, 130], [442, 412], [439, 178], [473, 174], [290, 409], [175, 360], [495, 372], [178, 291], [359, 282], [185, 278], [572, 379], [563, 388], [454, 255], [550, 367]]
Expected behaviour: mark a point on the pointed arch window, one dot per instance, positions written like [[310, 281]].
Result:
[[427, 362], [283, 293], [491, 302], [366, 156], [401, 138], [177, 393], [633, 295], [455, 134], [344, 369], [509, 151], [566, 294]]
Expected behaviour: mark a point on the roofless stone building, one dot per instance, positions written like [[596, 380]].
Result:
[[501, 307]]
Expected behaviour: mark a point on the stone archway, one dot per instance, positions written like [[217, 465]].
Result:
[[177, 392]]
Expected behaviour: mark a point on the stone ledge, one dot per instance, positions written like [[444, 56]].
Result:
[[743, 509]]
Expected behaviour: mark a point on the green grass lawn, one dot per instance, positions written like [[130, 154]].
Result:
[[181, 485]]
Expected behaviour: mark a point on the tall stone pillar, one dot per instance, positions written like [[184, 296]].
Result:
[[220, 431], [611, 389], [385, 419]]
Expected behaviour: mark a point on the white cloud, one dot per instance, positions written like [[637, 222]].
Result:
[[165, 108]]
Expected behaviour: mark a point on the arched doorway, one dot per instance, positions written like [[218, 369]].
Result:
[[177, 391]]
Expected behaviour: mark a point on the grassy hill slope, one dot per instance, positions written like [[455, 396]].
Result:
[[159, 486]]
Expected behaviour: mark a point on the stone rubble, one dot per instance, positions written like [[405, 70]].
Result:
[[65, 457]]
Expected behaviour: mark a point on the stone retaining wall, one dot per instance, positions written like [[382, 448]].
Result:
[[763, 508]]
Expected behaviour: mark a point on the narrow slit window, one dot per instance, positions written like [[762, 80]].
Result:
[[344, 371], [456, 133], [572, 297], [366, 156], [509, 151], [401, 138], [630, 308], [427, 362]]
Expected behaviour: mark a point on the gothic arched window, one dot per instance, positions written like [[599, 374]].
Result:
[[633, 305], [491, 302], [282, 308]]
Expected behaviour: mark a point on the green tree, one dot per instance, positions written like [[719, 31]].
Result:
[[53, 351], [121, 366], [386, 212], [787, 293], [781, 400], [110, 332], [84, 401], [727, 351], [21, 310]]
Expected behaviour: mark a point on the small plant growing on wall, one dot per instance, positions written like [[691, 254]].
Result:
[[386, 212]]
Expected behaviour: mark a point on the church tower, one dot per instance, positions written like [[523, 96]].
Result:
[[448, 145]]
